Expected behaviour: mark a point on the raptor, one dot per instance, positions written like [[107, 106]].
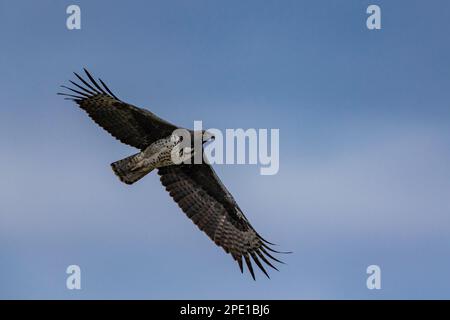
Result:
[[194, 187]]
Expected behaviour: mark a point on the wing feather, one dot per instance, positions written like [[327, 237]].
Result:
[[131, 125], [205, 200]]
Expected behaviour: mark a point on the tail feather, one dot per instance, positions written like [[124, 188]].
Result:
[[129, 169]]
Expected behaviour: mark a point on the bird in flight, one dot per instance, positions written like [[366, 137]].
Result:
[[196, 188]]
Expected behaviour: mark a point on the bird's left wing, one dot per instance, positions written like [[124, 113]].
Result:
[[131, 125], [205, 200]]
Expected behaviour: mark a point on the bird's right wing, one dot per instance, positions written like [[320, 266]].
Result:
[[131, 125], [205, 200]]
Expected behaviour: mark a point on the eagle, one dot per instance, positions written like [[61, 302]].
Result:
[[195, 187]]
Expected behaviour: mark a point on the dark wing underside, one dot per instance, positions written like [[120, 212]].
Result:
[[131, 125], [205, 200], [196, 188]]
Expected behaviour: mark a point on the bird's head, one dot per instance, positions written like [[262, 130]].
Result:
[[207, 136], [201, 137]]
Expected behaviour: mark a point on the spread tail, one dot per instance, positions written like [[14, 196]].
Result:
[[130, 169]]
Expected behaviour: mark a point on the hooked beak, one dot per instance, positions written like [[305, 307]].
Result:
[[207, 136]]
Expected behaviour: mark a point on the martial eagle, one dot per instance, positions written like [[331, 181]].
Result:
[[194, 187]]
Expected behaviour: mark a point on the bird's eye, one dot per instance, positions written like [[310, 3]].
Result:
[[181, 138]]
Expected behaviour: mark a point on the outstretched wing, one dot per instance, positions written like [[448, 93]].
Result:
[[131, 125], [205, 200]]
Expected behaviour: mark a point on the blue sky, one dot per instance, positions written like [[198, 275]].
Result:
[[364, 123]]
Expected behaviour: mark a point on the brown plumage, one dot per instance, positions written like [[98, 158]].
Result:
[[194, 187]]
